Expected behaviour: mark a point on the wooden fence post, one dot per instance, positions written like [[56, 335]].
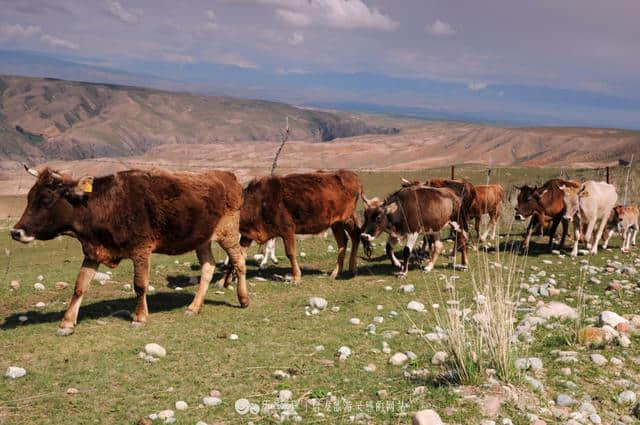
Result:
[[607, 174], [453, 172]]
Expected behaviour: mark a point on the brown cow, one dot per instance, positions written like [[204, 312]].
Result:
[[412, 211], [625, 220], [283, 206], [132, 214], [544, 204], [488, 200]]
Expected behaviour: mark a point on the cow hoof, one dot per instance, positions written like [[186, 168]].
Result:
[[244, 304], [64, 331], [136, 325], [190, 313]]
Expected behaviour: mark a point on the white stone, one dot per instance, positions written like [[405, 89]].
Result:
[[415, 306], [155, 350], [439, 358], [626, 397], [612, 319], [344, 351], [426, 417], [370, 368], [181, 405], [211, 401], [285, 395], [398, 359], [39, 286], [40, 304], [599, 359], [408, 288], [378, 319], [233, 337], [101, 277], [354, 321], [318, 302], [556, 309], [166, 414], [15, 372]]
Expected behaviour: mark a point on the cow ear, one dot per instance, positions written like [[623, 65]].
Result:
[[84, 186], [583, 193], [391, 208]]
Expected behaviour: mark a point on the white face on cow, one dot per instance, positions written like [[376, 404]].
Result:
[[571, 201]]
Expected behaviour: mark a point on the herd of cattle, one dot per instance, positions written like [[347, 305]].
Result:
[[132, 214]]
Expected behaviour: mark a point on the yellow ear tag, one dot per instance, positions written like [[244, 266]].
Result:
[[87, 186]]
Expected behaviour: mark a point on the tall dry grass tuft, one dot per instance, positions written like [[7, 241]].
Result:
[[481, 332]]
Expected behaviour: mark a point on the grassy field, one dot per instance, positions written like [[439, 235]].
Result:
[[115, 386]]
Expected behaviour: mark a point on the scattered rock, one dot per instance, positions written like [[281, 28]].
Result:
[[408, 288], [72, 391], [39, 287], [61, 285], [233, 337], [280, 374], [181, 405], [354, 321], [14, 284], [344, 352], [599, 359], [370, 368], [564, 400], [612, 319], [557, 310], [318, 302], [155, 350], [15, 372], [426, 417], [166, 414], [40, 304], [398, 359], [591, 336], [439, 358], [211, 401], [490, 406], [415, 306], [526, 363], [626, 397], [284, 395]]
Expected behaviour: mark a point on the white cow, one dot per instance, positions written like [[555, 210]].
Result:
[[590, 203]]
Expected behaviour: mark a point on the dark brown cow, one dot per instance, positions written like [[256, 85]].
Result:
[[488, 200], [132, 214], [412, 211], [283, 206], [544, 204]]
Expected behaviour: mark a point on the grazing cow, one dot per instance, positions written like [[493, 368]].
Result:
[[488, 200], [589, 203], [283, 206], [624, 219], [544, 204], [132, 214], [412, 211]]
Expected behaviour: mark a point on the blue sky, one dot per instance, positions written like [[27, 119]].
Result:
[[568, 62]]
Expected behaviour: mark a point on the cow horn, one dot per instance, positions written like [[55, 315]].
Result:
[[364, 199], [405, 180], [31, 171]]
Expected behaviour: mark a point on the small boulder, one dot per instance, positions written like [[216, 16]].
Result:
[[155, 350], [211, 401], [426, 417], [612, 319], [181, 405], [415, 306], [398, 359], [557, 310], [15, 372], [318, 302]]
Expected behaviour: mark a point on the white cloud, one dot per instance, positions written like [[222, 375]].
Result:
[[17, 31], [211, 15], [293, 71], [58, 42], [296, 38], [296, 19], [178, 58], [440, 29], [477, 86], [119, 12], [231, 59], [344, 14]]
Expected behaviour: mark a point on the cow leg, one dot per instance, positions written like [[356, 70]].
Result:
[[436, 249], [141, 265], [237, 254], [389, 249], [610, 233], [339, 233], [225, 281], [412, 238], [552, 233], [207, 267], [86, 273], [493, 224], [576, 236], [598, 235], [354, 233], [290, 250], [477, 226], [271, 246], [589, 232], [532, 224], [463, 247]]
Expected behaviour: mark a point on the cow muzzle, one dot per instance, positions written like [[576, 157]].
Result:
[[569, 218], [21, 236]]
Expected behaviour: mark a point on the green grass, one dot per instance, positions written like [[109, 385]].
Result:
[[116, 387]]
